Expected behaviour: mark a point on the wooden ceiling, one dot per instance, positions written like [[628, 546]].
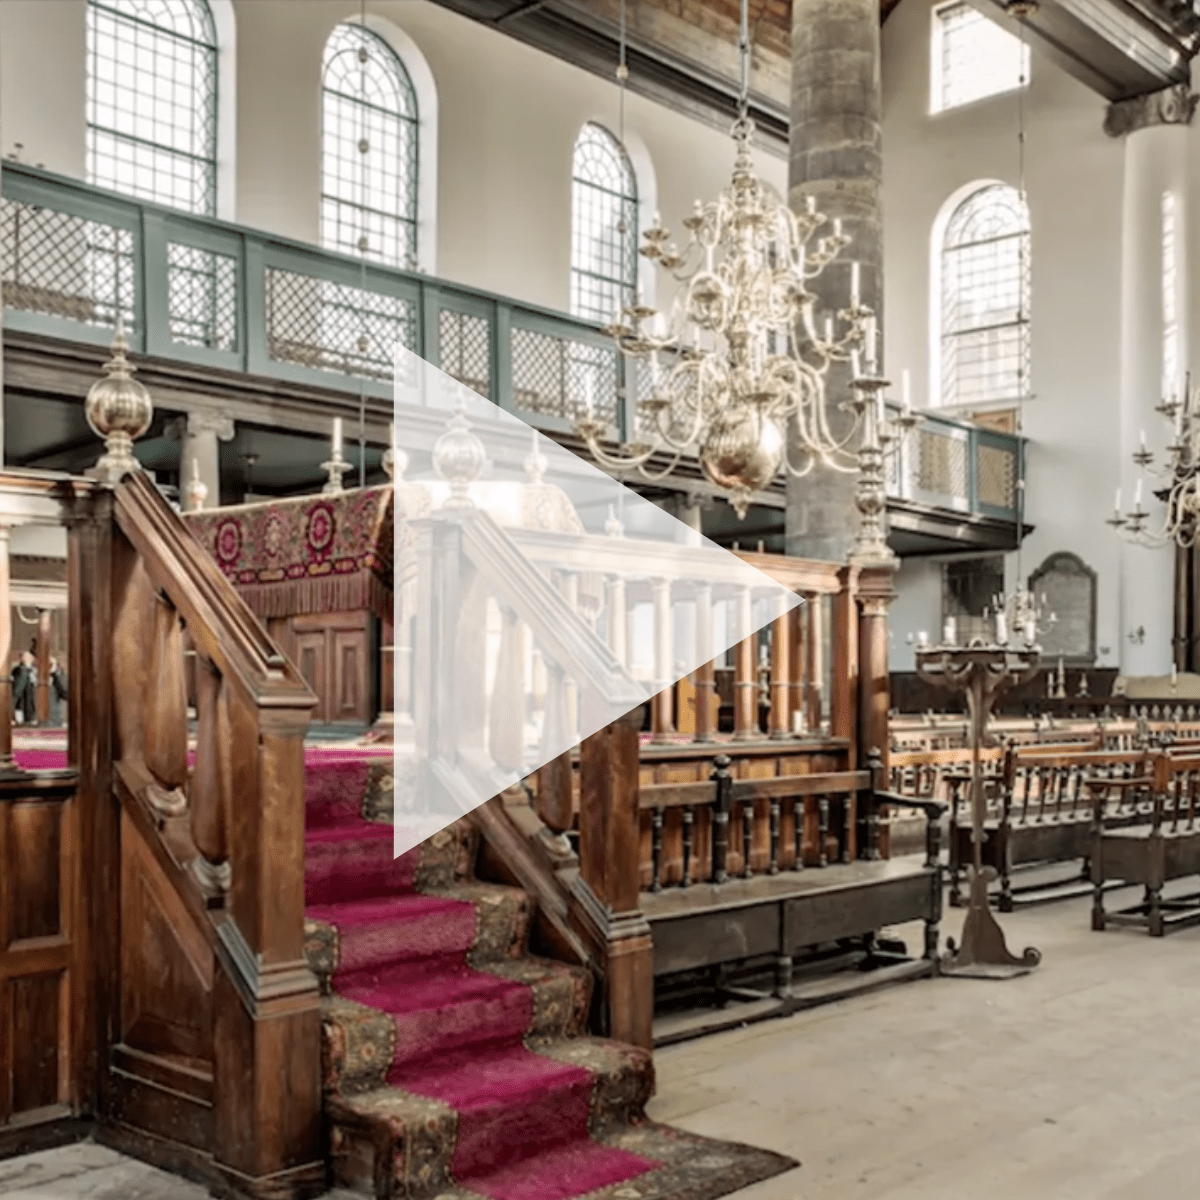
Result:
[[684, 53]]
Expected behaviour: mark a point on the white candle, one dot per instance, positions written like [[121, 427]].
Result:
[[855, 373], [1117, 503], [829, 329], [870, 343], [1001, 630], [854, 280], [948, 631], [922, 639], [1174, 675], [906, 389], [337, 436], [837, 227], [1137, 496], [810, 204], [1143, 432], [880, 413]]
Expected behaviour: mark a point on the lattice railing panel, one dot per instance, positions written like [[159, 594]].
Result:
[[941, 464], [334, 327], [996, 476], [464, 346], [202, 297], [65, 266], [560, 376]]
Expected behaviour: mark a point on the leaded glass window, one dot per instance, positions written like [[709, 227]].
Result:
[[604, 226], [152, 101], [368, 150], [985, 298], [973, 57]]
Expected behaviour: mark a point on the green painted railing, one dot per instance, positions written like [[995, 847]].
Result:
[[73, 258]]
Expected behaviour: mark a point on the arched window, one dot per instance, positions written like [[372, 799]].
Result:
[[368, 149], [152, 101], [604, 226], [985, 298]]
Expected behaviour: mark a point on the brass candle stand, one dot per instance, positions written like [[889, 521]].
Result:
[[982, 672]]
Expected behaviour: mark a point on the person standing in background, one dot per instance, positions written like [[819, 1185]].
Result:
[[58, 692]]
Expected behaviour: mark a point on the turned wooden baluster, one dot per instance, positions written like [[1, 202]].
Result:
[[662, 707], [722, 804], [702, 677], [689, 821], [798, 832], [656, 845], [211, 780], [797, 619], [814, 666], [779, 723], [747, 837], [745, 678], [556, 805], [164, 744], [773, 865], [506, 720]]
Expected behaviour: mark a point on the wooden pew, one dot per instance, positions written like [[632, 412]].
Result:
[[1153, 852], [1041, 807], [774, 868]]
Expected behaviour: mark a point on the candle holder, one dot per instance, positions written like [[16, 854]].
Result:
[[335, 468], [982, 672]]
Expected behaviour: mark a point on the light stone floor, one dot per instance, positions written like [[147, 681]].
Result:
[[1078, 1082]]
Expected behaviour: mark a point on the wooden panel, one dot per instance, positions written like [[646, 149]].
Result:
[[35, 1007], [863, 909], [350, 693], [166, 963], [310, 658], [33, 869]]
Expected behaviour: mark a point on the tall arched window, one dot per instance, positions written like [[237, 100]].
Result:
[[604, 226], [985, 298], [152, 101], [368, 149]]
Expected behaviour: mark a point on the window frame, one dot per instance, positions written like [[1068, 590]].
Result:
[[409, 220], [210, 162], [629, 200], [938, 302], [937, 76]]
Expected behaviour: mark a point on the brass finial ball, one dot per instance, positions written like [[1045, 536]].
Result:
[[118, 409]]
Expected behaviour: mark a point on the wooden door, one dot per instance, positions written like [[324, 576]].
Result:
[[349, 698]]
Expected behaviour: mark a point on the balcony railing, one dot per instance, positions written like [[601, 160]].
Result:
[[73, 258], [960, 466]]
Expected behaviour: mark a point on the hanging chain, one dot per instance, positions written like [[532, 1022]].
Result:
[[744, 52]]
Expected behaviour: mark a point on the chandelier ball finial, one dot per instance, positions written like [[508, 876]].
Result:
[[742, 453], [119, 410]]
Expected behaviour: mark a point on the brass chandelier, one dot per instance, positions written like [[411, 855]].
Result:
[[1178, 481], [739, 357]]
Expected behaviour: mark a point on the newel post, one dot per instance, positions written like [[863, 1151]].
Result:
[[609, 876], [876, 590]]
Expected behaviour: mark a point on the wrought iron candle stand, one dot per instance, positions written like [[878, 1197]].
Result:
[[982, 672]]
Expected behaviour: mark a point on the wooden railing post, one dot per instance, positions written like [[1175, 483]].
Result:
[[42, 695], [211, 782], [609, 875], [814, 664]]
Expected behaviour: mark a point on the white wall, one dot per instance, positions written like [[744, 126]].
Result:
[[508, 116], [1074, 181]]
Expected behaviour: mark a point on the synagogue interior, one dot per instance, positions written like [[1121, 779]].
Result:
[[600, 599]]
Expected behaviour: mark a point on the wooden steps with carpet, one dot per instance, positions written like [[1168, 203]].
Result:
[[456, 1063]]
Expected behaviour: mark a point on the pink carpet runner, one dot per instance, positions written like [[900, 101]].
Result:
[[522, 1117]]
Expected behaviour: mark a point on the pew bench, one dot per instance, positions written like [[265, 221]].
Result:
[[1042, 807], [777, 875], [1152, 854]]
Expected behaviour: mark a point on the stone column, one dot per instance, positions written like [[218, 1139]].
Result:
[[199, 434], [836, 156], [1156, 161]]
